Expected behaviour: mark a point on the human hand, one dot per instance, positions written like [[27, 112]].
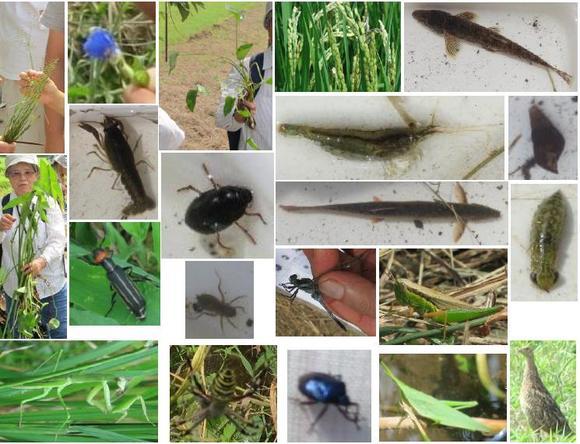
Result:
[[51, 96], [6, 221], [7, 147], [348, 293], [140, 94], [244, 104], [35, 267]]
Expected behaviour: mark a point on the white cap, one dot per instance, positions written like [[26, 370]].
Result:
[[60, 159], [21, 158]]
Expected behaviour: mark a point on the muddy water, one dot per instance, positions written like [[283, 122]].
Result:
[[450, 377]]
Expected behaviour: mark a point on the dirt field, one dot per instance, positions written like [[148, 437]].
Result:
[[201, 60]]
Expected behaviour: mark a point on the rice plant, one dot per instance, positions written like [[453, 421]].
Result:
[[55, 391], [23, 115], [338, 46], [96, 80]]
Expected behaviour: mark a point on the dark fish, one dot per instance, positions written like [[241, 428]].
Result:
[[461, 26], [409, 209], [548, 141]]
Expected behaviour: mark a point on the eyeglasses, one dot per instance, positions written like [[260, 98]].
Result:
[[27, 174]]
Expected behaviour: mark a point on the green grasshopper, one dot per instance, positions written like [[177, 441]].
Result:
[[438, 306]]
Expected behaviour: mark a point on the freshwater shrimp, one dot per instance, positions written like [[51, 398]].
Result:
[[547, 227], [114, 149], [384, 144]]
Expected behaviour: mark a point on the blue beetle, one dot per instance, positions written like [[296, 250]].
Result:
[[327, 389]]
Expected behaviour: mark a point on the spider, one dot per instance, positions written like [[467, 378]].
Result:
[[216, 401]]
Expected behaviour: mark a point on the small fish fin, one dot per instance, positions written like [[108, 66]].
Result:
[[495, 29], [458, 230], [567, 77], [451, 44], [467, 15], [460, 194]]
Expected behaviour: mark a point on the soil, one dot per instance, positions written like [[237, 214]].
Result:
[[202, 60]]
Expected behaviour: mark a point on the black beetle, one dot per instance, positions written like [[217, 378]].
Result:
[[216, 209], [327, 389], [121, 284]]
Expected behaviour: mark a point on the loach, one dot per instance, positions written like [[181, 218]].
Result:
[[462, 27]]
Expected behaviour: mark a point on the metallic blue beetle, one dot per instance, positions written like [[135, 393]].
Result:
[[327, 389]]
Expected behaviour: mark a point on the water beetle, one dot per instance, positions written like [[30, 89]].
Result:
[[327, 389], [216, 209]]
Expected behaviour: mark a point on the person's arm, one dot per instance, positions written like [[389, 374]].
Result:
[[54, 122]]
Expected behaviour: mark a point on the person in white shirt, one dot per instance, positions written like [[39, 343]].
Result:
[[49, 245], [260, 108]]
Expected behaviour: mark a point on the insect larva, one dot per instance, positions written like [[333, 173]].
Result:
[[547, 227]]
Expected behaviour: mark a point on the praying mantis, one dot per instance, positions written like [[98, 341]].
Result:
[[112, 392]]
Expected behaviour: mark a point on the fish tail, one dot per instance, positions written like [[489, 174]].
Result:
[[567, 77]]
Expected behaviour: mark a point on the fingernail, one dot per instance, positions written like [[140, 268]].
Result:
[[332, 289]]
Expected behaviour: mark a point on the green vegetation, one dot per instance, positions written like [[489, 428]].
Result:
[[254, 369], [78, 391], [98, 81], [211, 13], [338, 46], [556, 362], [33, 208], [134, 245]]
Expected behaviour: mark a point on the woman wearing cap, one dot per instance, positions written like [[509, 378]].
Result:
[[49, 244]]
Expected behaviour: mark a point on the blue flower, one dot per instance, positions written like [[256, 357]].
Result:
[[100, 44]]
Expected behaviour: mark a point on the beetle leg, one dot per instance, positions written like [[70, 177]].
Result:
[[113, 300], [344, 411], [99, 154], [256, 214], [189, 187], [231, 323], [145, 162], [246, 232], [115, 183], [222, 323], [219, 241], [235, 299], [220, 287], [210, 177], [320, 415], [98, 168]]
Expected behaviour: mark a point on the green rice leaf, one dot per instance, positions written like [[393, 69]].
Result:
[[434, 409]]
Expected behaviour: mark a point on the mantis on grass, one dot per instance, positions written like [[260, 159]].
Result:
[[125, 399]]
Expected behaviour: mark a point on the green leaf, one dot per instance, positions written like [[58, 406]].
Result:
[[237, 13], [244, 113], [191, 99], [172, 60], [435, 409], [229, 105], [243, 51], [268, 81], [250, 142]]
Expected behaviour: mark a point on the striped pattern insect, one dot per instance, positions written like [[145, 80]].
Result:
[[121, 284], [547, 227], [218, 399]]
